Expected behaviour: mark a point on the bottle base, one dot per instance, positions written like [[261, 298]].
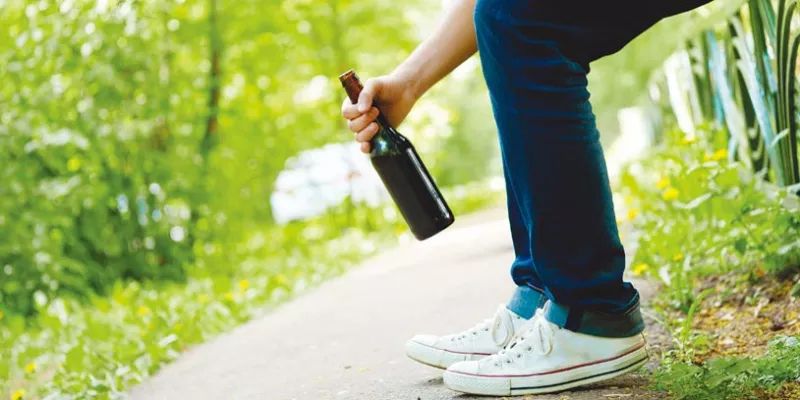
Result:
[[422, 236]]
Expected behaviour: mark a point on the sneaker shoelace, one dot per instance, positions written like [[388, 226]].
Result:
[[534, 335], [499, 324]]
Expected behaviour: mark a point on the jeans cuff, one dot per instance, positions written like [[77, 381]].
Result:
[[627, 324], [526, 300]]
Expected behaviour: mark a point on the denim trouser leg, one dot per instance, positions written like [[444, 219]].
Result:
[[556, 168], [529, 295]]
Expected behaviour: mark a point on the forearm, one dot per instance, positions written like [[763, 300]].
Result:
[[452, 43]]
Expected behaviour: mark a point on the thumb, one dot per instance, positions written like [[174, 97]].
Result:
[[371, 88]]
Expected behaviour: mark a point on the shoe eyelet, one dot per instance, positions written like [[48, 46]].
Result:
[[529, 349], [508, 361], [486, 330], [519, 355]]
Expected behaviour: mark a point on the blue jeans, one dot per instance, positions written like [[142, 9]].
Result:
[[535, 56]]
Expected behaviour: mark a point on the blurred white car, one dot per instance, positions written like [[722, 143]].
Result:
[[318, 179]]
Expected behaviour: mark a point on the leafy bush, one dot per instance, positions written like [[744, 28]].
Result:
[[72, 350], [699, 213], [76, 227], [732, 378], [141, 139], [88, 194]]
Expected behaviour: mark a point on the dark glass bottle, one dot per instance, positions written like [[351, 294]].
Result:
[[404, 174]]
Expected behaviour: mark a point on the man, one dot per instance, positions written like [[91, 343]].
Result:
[[572, 320]]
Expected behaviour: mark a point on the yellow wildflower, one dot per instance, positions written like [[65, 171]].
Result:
[[671, 194], [281, 278], [30, 368], [229, 296], [632, 214], [244, 284], [688, 140], [662, 183], [720, 155], [143, 311], [202, 299], [640, 269], [178, 327], [2, 315], [149, 326], [628, 200], [73, 164], [677, 257], [707, 157], [18, 394]]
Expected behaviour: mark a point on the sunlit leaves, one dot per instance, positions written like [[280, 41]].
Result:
[[111, 343], [105, 182], [713, 217]]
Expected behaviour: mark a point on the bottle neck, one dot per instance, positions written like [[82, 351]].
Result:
[[383, 123], [352, 85], [387, 130]]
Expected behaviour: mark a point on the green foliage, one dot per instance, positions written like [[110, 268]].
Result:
[[89, 191], [752, 63], [72, 350], [98, 350], [700, 214], [141, 139], [732, 378], [140, 143], [620, 80], [687, 342], [468, 133]]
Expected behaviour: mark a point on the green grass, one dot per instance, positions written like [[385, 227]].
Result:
[[732, 377], [74, 350], [700, 215]]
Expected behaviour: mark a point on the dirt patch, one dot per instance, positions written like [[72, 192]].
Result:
[[740, 317], [744, 313], [789, 391]]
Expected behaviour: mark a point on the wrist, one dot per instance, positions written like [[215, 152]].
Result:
[[412, 79]]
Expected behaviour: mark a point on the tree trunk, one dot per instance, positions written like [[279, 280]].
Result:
[[210, 138]]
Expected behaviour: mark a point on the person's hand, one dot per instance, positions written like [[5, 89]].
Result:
[[393, 95]]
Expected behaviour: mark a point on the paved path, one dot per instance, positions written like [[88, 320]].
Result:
[[344, 339]]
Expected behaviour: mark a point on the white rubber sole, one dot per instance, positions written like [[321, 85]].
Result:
[[548, 382], [437, 358]]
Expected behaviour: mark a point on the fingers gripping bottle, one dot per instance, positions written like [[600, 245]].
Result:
[[404, 174]]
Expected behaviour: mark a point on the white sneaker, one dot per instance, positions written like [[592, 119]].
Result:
[[545, 358], [484, 339]]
